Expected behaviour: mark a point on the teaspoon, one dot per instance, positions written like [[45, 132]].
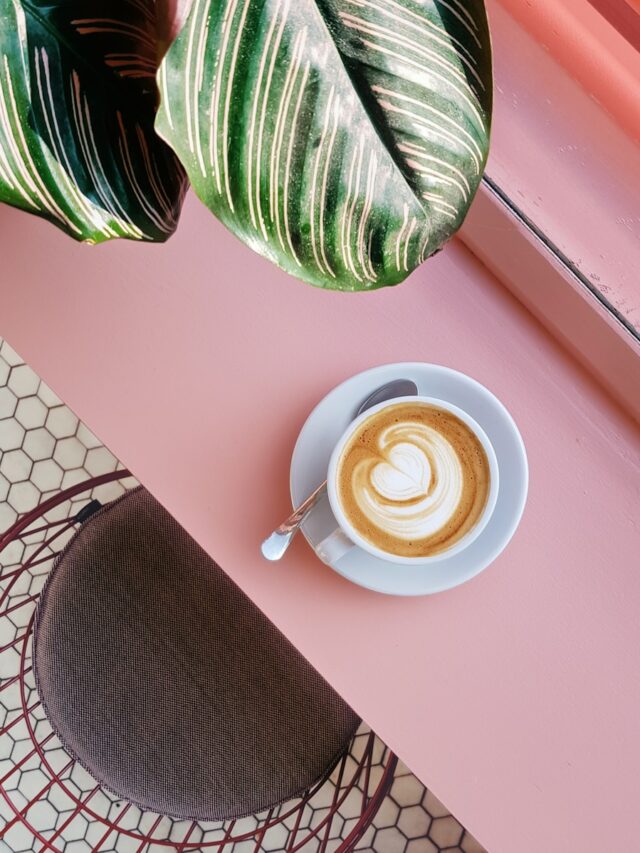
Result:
[[275, 545]]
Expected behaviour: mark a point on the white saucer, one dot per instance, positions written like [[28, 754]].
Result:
[[329, 419]]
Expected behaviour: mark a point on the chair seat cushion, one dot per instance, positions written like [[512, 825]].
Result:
[[167, 683]]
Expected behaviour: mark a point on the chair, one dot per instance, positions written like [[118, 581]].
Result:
[[146, 703]]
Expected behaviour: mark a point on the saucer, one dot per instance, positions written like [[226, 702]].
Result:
[[330, 418]]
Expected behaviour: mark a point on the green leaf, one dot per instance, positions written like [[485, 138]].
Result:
[[342, 139], [77, 106]]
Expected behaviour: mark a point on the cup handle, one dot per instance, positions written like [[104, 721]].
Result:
[[336, 545]]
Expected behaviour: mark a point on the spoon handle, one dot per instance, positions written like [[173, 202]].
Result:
[[274, 546]]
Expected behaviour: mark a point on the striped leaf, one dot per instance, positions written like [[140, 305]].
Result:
[[342, 139], [77, 106]]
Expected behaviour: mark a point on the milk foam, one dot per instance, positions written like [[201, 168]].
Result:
[[413, 488]]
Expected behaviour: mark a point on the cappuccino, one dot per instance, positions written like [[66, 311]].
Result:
[[413, 479]]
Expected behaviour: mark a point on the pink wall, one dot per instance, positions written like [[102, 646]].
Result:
[[561, 158], [590, 48]]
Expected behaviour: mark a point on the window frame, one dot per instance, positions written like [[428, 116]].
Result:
[[510, 246], [584, 42], [534, 264], [624, 15]]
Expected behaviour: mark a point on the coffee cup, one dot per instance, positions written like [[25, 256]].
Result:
[[412, 481]]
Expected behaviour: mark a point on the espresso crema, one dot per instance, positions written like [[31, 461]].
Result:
[[413, 479]]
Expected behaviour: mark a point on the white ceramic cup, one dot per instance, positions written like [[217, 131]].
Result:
[[345, 537]]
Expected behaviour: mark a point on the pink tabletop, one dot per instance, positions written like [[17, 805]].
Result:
[[515, 697]]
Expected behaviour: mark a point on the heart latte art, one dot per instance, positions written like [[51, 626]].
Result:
[[413, 479]]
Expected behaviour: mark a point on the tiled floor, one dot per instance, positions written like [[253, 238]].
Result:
[[43, 449]]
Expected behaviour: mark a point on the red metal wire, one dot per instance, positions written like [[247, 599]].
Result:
[[22, 813], [74, 814], [294, 832], [149, 836], [22, 603], [48, 526], [375, 802], [23, 760], [42, 509], [259, 835], [17, 719], [29, 562], [8, 683], [332, 808], [36, 833], [183, 844], [111, 828], [367, 779], [228, 835], [82, 803]]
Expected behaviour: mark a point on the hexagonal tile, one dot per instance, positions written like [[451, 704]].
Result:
[[367, 839], [470, 845], [70, 478], [387, 814], [46, 474], [421, 845], [11, 553], [87, 437], [47, 396], [100, 461], [402, 770], [352, 805], [8, 402], [85, 782], [23, 381], [59, 511], [58, 798], [11, 435], [275, 839], [433, 805], [115, 809], [4, 487], [79, 846], [31, 413], [407, 791], [9, 355], [61, 422], [20, 839], [47, 816], [445, 831], [39, 444], [95, 832], [389, 840], [23, 496], [4, 371], [69, 453], [341, 828], [414, 822], [15, 465], [76, 830], [32, 781]]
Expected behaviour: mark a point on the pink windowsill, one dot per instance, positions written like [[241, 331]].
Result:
[[515, 696], [557, 148]]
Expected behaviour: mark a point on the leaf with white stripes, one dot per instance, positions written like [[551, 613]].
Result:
[[77, 106], [342, 139]]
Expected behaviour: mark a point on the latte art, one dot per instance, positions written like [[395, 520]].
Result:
[[417, 490], [413, 479]]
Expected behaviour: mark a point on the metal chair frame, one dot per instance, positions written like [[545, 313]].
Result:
[[365, 771]]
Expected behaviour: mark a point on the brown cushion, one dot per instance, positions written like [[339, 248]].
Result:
[[167, 683]]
